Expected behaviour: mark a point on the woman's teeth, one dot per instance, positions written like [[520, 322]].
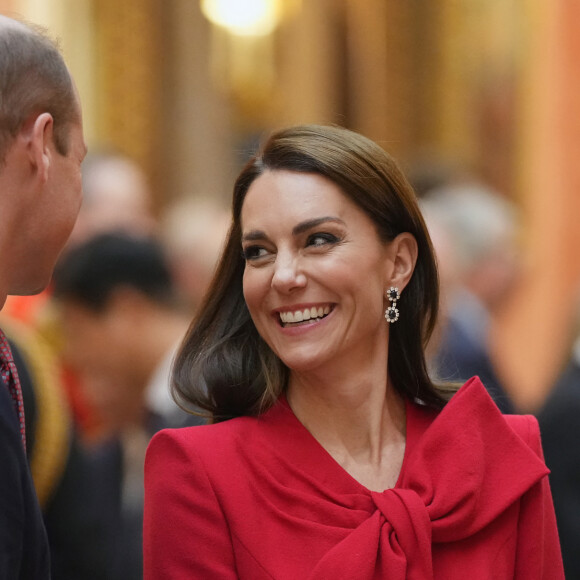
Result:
[[302, 315]]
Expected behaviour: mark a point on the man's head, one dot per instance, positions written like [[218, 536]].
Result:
[[41, 150], [194, 231], [475, 231], [116, 198], [117, 301]]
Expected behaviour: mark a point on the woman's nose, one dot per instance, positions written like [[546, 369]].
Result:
[[287, 274]]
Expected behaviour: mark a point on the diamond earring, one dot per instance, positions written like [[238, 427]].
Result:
[[392, 312]]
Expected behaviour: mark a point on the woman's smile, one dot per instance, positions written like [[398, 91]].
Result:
[[301, 316]]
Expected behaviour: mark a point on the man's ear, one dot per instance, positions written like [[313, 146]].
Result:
[[40, 146], [403, 253]]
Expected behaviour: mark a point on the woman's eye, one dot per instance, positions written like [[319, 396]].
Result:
[[317, 240], [254, 252]]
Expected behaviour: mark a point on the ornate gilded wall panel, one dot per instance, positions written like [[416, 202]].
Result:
[[129, 76]]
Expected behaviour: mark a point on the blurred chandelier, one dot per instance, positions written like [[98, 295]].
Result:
[[244, 17]]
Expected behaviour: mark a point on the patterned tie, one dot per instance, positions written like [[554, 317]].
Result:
[[9, 375]]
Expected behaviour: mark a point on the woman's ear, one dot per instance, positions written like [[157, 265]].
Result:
[[402, 251]]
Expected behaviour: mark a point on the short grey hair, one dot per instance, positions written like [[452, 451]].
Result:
[[33, 79], [476, 219]]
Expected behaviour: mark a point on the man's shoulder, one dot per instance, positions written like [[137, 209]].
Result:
[[21, 524], [8, 418]]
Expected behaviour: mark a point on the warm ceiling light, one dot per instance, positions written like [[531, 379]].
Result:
[[243, 17]]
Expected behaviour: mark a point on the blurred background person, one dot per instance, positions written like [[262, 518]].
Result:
[[193, 232], [560, 431], [121, 322], [116, 197], [475, 237], [121, 325]]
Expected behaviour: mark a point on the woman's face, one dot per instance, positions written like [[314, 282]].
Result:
[[316, 271]]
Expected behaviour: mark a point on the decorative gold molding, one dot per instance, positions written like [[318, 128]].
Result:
[[129, 54]]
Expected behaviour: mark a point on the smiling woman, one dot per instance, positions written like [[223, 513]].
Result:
[[308, 356], [287, 181]]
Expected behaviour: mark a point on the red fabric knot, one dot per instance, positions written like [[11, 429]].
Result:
[[394, 542], [9, 375], [406, 528]]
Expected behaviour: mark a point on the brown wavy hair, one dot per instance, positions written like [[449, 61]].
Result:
[[223, 366]]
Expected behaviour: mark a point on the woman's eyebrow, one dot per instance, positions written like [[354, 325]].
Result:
[[255, 235], [309, 224]]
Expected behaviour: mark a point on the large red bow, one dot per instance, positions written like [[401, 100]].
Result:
[[443, 495]]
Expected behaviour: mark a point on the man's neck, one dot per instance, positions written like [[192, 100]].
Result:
[[3, 290]]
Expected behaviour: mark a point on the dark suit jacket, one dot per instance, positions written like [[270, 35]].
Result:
[[459, 358], [24, 553], [91, 536], [560, 428]]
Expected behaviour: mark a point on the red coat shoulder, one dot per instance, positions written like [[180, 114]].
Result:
[[526, 426]]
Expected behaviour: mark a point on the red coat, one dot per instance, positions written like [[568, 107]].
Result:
[[259, 498]]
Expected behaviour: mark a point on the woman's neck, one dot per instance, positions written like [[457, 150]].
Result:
[[358, 418]]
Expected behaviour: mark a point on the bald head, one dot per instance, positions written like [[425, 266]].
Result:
[[33, 79]]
